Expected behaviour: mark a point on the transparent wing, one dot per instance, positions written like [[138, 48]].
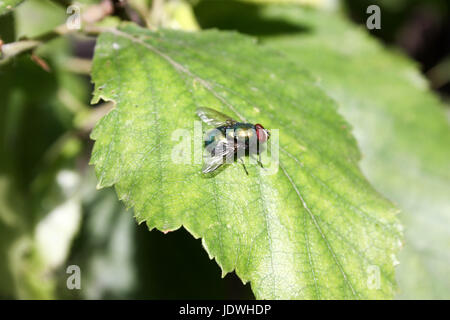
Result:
[[217, 154], [213, 117]]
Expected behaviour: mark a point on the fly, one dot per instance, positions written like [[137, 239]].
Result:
[[230, 138]]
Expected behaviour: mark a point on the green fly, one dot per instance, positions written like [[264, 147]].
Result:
[[230, 138]]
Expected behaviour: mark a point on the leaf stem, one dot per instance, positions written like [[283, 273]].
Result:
[[11, 49]]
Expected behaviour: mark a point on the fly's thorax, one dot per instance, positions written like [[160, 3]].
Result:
[[241, 131], [245, 138]]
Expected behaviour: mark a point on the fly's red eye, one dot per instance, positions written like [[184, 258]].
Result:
[[261, 133]]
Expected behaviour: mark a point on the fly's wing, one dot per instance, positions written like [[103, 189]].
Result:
[[213, 117], [217, 153]]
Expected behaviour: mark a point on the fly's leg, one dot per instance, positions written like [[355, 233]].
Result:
[[259, 160], [243, 164]]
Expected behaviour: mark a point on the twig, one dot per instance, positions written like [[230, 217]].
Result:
[[11, 49], [40, 62], [97, 12], [78, 65], [129, 12]]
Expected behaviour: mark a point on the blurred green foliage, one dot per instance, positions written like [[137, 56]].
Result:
[[41, 141]]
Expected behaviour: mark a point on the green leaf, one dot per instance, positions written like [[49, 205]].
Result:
[[315, 229], [8, 5], [36, 17], [401, 128]]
